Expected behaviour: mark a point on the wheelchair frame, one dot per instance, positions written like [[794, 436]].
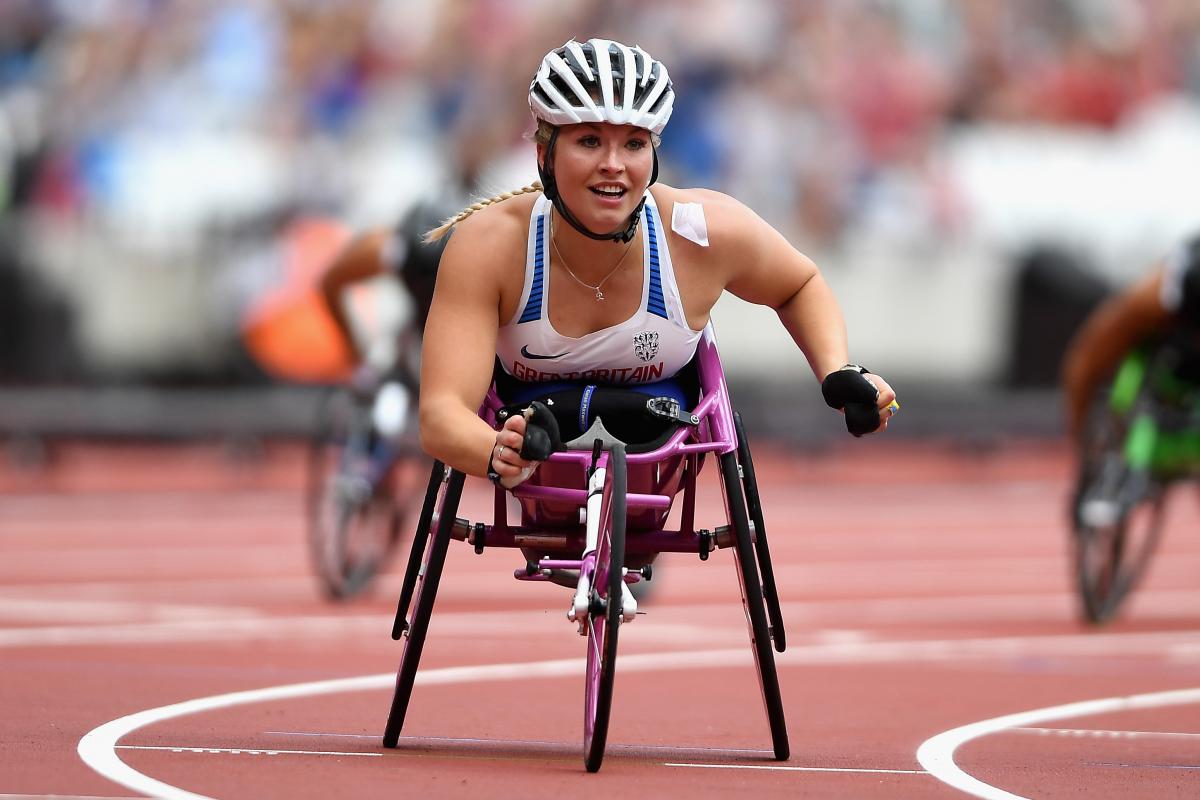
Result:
[[587, 511]]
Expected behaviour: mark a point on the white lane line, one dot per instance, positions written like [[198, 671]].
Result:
[[26, 610], [947, 607], [237, 628], [1143, 766], [800, 769], [230, 628], [98, 748], [1092, 733], [64, 797], [526, 742], [937, 753], [249, 751]]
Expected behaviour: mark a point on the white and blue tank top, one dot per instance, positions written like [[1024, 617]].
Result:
[[652, 345]]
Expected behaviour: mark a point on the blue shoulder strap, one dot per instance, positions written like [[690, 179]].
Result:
[[533, 308], [655, 303]]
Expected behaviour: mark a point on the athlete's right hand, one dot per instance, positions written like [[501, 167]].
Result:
[[511, 470]]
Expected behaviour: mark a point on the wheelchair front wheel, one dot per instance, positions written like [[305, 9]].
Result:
[[429, 554], [754, 605], [605, 613]]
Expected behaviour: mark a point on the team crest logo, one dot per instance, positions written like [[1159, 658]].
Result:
[[645, 344]]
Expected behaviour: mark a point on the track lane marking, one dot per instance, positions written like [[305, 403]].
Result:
[[239, 628], [1093, 733], [248, 751], [98, 748], [543, 742], [66, 797], [1143, 766], [937, 753], [799, 769]]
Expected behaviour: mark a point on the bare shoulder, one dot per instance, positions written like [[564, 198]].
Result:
[[499, 224], [492, 240], [730, 222]]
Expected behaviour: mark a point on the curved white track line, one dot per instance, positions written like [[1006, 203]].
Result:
[[98, 747], [937, 754]]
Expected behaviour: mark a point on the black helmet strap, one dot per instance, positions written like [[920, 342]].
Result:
[[550, 189]]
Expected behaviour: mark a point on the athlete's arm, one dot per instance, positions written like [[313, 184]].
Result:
[[1112, 330], [766, 269], [460, 345], [360, 260]]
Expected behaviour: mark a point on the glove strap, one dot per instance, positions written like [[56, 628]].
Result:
[[492, 475]]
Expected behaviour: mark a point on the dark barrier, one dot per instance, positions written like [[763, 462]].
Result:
[[1054, 293]]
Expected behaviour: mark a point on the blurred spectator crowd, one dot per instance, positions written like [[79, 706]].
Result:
[[151, 150]]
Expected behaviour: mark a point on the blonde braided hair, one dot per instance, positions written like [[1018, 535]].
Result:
[[541, 136], [446, 226]]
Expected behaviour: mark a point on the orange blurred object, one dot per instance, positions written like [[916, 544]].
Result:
[[289, 331]]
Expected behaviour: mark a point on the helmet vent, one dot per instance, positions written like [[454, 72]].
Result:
[[602, 81]]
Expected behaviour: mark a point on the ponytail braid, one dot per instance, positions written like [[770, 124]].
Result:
[[443, 229]]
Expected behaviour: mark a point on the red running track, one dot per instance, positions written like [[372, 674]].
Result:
[[925, 589]]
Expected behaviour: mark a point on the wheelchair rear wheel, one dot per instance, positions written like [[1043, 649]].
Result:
[[1117, 515], [605, 612], [754, 605], [754, 505], [425, 563], [357, 495]]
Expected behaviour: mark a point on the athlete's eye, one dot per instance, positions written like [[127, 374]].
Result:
[[589, 140], [636, 144]]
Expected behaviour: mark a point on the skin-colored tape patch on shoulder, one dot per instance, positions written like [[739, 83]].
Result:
[[687, 219]]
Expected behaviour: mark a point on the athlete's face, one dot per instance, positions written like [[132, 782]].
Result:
[[602, 171]]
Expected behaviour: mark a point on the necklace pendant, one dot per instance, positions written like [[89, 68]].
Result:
[[599, 295]]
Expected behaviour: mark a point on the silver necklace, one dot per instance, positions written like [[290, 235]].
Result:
[[596, 288]]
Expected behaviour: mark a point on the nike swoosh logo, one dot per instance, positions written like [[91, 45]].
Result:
[[525, 352]]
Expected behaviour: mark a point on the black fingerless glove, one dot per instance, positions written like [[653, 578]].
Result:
[[846, 389], [542, 435]]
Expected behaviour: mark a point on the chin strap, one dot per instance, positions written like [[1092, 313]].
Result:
[[550, 189]]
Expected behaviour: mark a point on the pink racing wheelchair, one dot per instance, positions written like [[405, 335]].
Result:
[[589, 518]]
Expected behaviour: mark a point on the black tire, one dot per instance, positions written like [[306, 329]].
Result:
[[353, 524], [416, 554], [606, 607], [761, 550], [754, 605], [434, 543], [1117, 519]]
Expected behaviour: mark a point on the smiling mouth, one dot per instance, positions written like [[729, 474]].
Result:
[[608, 192]]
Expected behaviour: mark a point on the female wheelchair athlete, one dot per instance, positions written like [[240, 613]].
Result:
[[1142, 437], [594, 512]]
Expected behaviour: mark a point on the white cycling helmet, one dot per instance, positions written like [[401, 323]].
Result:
[[602, 81]]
